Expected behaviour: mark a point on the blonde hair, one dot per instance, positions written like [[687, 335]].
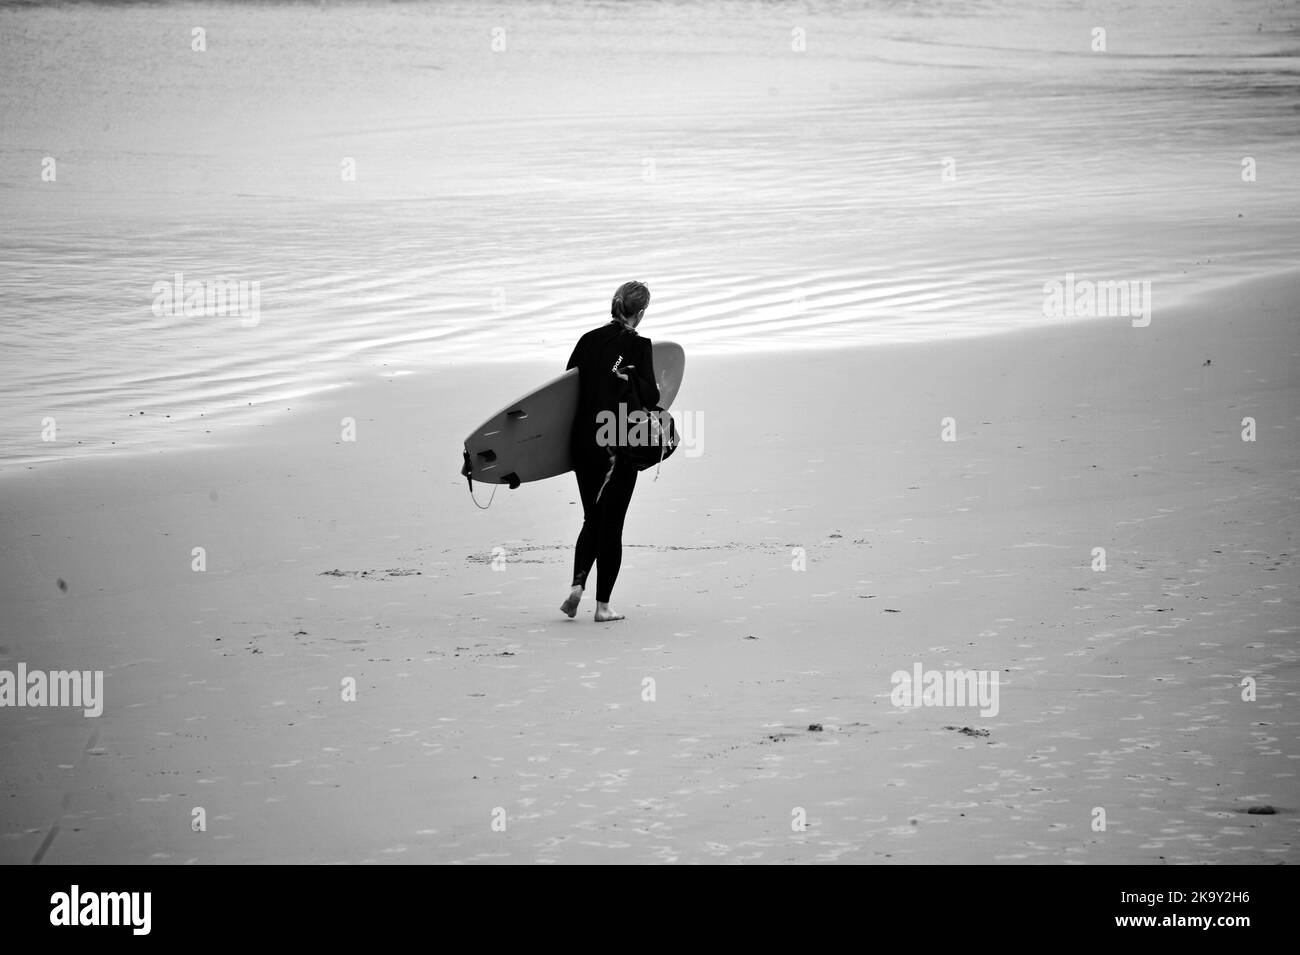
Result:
[[630, 298]]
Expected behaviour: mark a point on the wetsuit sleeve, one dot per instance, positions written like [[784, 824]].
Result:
[[645, 377]]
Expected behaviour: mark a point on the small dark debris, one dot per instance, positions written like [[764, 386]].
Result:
[[63, 585], [967, 730], [814, 727], [1261, 811]]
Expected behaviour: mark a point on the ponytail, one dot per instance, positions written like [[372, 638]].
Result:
[[630, 298]]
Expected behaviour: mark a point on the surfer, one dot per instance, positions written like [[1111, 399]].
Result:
[[605, 358]]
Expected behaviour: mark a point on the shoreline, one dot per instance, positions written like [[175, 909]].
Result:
[[235, 425]]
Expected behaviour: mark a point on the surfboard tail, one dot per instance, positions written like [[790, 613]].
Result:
[[466, 470]]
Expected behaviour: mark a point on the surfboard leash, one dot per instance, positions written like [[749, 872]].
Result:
[[483, 507], [465, 471]]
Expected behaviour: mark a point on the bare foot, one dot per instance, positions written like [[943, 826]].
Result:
[[570, 606], [605, 615]]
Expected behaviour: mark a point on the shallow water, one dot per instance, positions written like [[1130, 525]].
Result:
[[771, 198]]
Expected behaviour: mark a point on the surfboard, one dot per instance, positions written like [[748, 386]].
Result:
[[528, 439]]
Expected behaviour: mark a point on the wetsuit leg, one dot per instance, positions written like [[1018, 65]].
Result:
[[590, 477], [605, 495], [614, 500]]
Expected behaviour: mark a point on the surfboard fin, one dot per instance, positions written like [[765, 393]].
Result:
[[517, 414], [512, 479]]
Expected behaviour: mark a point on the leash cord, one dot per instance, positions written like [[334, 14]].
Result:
[[483, 507]]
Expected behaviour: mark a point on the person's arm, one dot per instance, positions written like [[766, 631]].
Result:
[[573, 359], [645, 377]]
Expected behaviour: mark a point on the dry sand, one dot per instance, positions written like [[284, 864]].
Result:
[[328, 560]]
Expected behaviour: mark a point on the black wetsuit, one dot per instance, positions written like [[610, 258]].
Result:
[[604, 480]]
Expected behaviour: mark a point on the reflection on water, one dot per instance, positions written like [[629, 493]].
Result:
[[782, 177]]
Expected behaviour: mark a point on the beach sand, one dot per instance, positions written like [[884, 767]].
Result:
[[326, 560]]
